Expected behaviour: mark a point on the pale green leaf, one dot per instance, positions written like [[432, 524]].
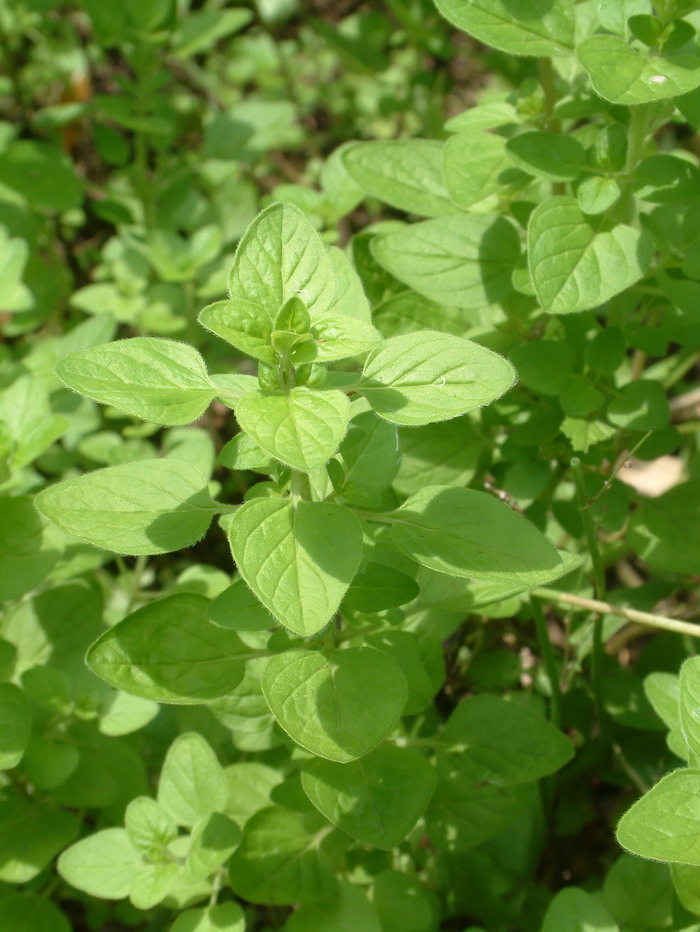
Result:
[[213, 842], [474, 165], [575, 910], [155, 506], [168, 651], [289, 555], [576, 264], [303, 427], [282, 256], [534, 27], [462, 532], [428, 376], [350, 299], [192, 783], [149, 827], [152, 883], [689, 706], [102, 865], [225, 917], [623, 75], [552, 156], [242, 324], [158, 380], [26, 550], [377, 799], [338, 707], [404, 173], [665, 823], [462, 261]]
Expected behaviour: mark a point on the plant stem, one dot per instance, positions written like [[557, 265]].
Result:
[[661, 622], [546, 75], [299, 486], [549, 662], [589, 530], [637, 135]]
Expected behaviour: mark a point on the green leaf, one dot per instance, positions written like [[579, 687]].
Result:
[[689, 705], [640, 405], [242, 324], [474, 165], [351, 911], [548, 155], [664, 824], [155, 506], [42, 175], [26, 552], [595, 195], [639, 894], [522, 748], [351, 300], [30, 838], [102, 865], [278, 862], [379, 587], [471, 534], [428, 376], [238, 609], [203, 29], [213, 842], [403, 904], [337, 337], [22, 912], [192, 783], [464, 261], [303, 427], [241, 452], [338, 707], [158, 380], [653, 530], [536, 27], [462, 815], [152, 883], [226, 917], [15, 725], [288, 554], [377, 799], [169, 652], [576, 265], [149, 827], [623, 75], [445, 453], [404, 173], [282, 256], [574, 910]]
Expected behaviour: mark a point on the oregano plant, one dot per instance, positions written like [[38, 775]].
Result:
[[349, 472]]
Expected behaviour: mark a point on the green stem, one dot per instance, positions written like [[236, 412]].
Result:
[[299, 486], [549, 662], [546, 75], [637, 135], [660, 622]]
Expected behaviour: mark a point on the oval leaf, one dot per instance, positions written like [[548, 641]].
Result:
[[169, 652], [338, 707], [291, 557], [465, 533], [158, 380], [428, 376], [139, 508]]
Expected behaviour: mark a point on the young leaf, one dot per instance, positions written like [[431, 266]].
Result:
[[169, 652], [337, 337], [377, 799], [192, 783], [536, 27], [158, 380], [576, 264], [429, 376], [623, 75], [282, 255], [155, 506], [298, 558], [350, 300], [665, 823], [102, 865], [278, 862], [150, 829], [213, 842], [302, 427], [466, 533], [152, 883], [464, 261], [338, 707], [242, 324], [404, 173]]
